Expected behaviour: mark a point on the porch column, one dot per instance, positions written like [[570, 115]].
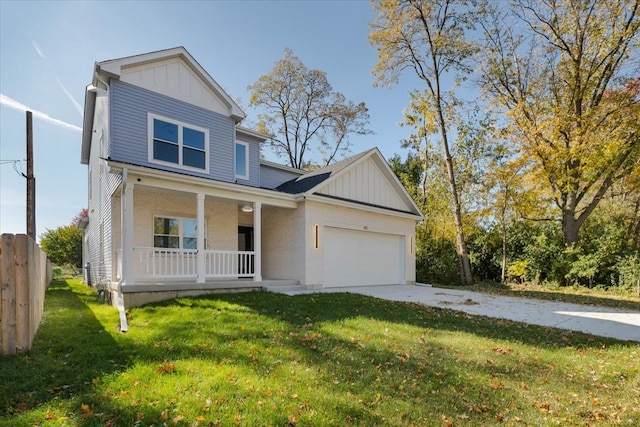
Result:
[[257, 241], [200, 278], [127, 230]]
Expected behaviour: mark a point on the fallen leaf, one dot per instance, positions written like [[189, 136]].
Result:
[[501, 350], [166, 368], [446, 422], [86, 411]]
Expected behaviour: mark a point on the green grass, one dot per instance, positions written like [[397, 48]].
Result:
[[259, 359]]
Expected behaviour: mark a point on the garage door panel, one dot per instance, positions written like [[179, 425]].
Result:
[[360, 258]]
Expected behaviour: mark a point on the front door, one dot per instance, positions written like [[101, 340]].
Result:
[[245, 243], [245, 238]]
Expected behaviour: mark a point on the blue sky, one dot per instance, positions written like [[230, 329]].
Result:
[[48, 49]]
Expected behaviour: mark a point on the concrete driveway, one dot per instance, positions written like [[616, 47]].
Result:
[[601, 321]]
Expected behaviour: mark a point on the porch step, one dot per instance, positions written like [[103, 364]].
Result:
[[283, 286]]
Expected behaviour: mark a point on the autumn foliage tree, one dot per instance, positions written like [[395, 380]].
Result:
[[428, 38], [303, 114], [560, 72]]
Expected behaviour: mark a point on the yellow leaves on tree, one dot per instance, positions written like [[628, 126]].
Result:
[[562, 86]]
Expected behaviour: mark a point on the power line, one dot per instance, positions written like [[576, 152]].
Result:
[[17, 166]]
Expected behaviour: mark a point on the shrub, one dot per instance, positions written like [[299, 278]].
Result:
[[437, 261], [628, 269], [518, 270], [485, 253]]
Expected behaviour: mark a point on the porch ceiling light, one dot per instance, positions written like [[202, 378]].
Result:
[[247, 208]]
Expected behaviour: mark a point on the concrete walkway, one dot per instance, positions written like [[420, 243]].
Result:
[[601, 321]]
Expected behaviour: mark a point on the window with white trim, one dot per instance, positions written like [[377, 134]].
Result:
[[178, 144], [242, 160], [175, 233]]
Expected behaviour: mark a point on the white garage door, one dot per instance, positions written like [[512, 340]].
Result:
[[361, 258]]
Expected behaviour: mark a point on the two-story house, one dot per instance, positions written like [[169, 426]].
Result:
[[181, 203]]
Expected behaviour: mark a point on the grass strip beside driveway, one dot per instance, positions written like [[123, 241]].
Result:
[[259, 359]]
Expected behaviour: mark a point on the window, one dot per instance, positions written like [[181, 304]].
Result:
[[175, 233], [242, 160], [176, 143]]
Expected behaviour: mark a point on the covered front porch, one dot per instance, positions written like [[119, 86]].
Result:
[[175, 237]]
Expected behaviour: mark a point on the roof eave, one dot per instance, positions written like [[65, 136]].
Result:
[[200, 181], [87, 125], [252, 133], [114, 68], [386, 169], [361, 206]]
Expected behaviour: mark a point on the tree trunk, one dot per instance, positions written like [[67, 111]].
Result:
[[465, 263], [503, 277], [570, 228]]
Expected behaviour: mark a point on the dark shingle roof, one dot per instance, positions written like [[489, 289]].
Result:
[[309, 180]]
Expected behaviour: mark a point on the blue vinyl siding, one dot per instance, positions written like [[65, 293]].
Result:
[[129, 108], [271, 177], [254, 164]]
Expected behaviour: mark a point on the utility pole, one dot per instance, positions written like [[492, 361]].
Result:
[[31, 181]]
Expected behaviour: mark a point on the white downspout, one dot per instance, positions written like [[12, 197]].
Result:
[[126, 212], [124, 327]]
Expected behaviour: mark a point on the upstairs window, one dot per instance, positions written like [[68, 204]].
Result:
[[242, 160], [175, 233], [178, 144]]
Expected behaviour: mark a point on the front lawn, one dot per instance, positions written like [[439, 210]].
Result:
[[259, 359]]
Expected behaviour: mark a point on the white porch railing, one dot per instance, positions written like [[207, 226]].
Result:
[[157, 263], [229, 264], [165, 263]]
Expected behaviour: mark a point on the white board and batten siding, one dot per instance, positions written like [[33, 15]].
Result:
[[174, 78], [361, 258], [367, 184]]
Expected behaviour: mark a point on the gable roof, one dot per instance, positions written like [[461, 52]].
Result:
[[310, 180], [115, 68], [345, 181]]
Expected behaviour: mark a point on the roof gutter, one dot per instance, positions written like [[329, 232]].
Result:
[[357, 205], [205, 183]]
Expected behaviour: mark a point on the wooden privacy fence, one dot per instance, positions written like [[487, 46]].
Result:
[[25, 273]]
